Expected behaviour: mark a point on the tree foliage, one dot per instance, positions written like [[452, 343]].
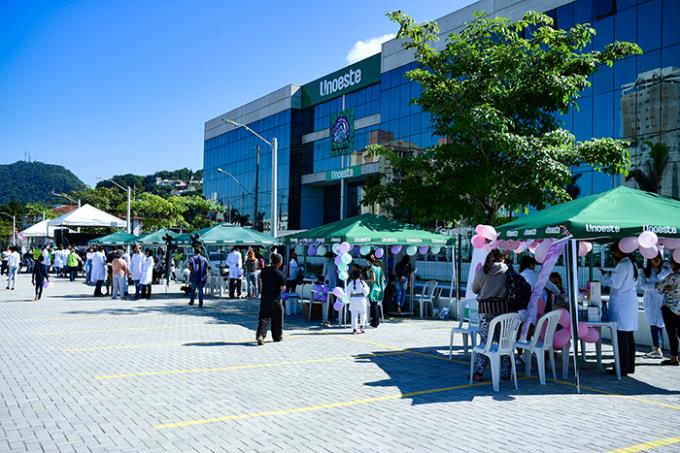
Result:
[[494, 92], [35, 181]]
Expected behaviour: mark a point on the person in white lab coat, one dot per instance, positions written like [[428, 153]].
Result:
[[235, 263], [136, 269], [623, 306], [98, 274], [357, 290], [527, 270], [654, 272], [146, 277]]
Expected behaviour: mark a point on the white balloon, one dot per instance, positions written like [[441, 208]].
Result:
[[300, 249], [676, 255], [336, 249], [436, 249], [411, 250], [649, 252], [647, 239], [321, 251], [671, 243], [365, 249]]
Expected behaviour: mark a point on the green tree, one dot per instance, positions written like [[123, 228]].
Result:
[[104, 198], [494, 92], [157, 212], [196, 210]]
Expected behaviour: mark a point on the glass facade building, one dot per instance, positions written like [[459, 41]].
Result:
[[320, 176]]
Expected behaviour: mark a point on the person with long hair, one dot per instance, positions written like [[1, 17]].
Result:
[[357, 290], [376, 282], [251, 266], [670, 287], [490, 286], [403, 271], [653, 272], [623, 306]]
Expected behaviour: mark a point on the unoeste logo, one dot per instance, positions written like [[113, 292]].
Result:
[[340, 133]]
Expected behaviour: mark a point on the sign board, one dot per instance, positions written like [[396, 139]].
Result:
[[341, 133], [350, 78], [343, 173]]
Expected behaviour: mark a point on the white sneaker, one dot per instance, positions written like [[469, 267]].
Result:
[[655, 354]]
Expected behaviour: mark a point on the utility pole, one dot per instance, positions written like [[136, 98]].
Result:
[[257, 183]]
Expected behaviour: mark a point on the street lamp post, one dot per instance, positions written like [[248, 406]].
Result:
[[274, 144], [68, 197], [129, 200], [243, 193], [14, 227]]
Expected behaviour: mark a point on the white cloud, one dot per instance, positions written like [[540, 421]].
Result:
[[366, 48]]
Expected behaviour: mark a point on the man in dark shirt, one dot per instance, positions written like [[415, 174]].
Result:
[[272, 283], [199, 274]]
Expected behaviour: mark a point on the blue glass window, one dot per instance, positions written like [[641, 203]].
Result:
[[671, 30], [649, 25]]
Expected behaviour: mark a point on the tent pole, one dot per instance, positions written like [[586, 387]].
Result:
[[453, 277], [572, 277]]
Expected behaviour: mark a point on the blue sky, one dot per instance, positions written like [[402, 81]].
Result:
[[111, 87]]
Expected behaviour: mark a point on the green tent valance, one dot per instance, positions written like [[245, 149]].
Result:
[[118, 238], [227, 235], [156, 238]]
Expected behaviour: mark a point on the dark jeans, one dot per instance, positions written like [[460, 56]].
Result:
[[72, 273], [626, 351], [197, 286], [375, 314], [138, 288], [672, 322], [39, 288], [98, 288], [657, 336], [291, 285], [4, 269], [234, 287], [146, 291], [276, 322]]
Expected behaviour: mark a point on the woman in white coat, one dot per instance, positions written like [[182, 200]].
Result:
[[623, 306], [98, 274], [527, 269], [147, 274], [357, 290], [654, 272]]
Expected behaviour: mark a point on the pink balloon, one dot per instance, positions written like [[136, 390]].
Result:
[[338, 292], [584, 248], [650, 252], [521, 246], [582, 328], [379, 252], [676, 255], [338, 260], [647, 239], [671, 243], [565, 319], [591, 335], [542, 250], [532, 245], [344, 247], [494, 244], [423, 249], [395, 249], [561, 338], [487, 231], [337, 306], [629, 244], [478, 241]]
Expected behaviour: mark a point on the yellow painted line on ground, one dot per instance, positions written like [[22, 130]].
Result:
[[127, 329], [317, 407], [242, 367], [648, 445], [626, 397], [121, 347]]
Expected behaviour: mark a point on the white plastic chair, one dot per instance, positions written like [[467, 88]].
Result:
[[471, 329], [539, 347], [508, 325], [427, 296]]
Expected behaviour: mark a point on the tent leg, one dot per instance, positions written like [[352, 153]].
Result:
[[572, 277], [453, 280]]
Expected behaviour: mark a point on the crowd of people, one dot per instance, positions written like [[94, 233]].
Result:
[[659, 280]]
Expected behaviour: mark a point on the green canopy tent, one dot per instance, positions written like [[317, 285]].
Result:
[[117, 238], [235, 235], [374, 230], [615, 214], [185, 238], [156, 238]]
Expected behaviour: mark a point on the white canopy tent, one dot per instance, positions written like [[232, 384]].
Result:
[[87, 216], [41, 229]]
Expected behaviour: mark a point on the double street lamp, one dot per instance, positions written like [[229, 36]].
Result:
[[14, 226], [129, 199], [68, 197], [245, 191], [274, 144]]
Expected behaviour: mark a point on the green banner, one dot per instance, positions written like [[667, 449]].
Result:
[[343, 173], [341, 133], [350, 78]]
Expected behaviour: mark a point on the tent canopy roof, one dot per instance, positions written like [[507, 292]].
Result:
[[370, 229], [117, 238], [39, 230], [156, 237], [88, 216], [228, 235], [614, 214]]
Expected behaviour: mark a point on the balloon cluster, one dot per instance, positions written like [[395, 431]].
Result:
[[342, 259], [484, 233], [341, 298], [649, 244], [563, 336]]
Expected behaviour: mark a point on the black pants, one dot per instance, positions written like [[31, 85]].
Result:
[[72, 273], [273, 316], [234, 287], [5, 267], [98, 288], [291, 285], [626, 351], [39, 288], [672, 322], [375, 314], [146, 291]]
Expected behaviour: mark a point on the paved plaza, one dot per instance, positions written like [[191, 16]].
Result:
[[84, 374]]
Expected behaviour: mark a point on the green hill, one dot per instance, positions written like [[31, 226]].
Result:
[[33, 181]]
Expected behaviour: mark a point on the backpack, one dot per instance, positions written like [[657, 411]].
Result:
[[517, 291]]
